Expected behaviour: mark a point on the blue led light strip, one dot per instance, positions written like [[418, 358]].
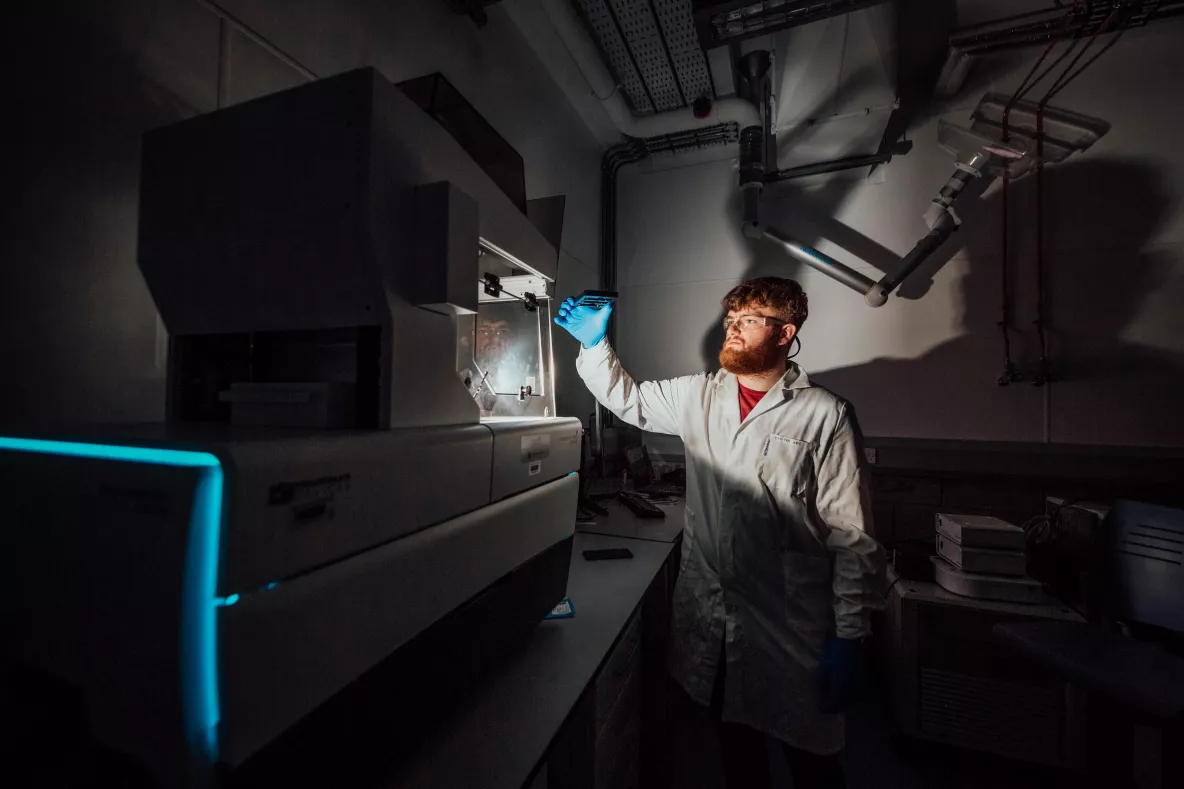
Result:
[[199, 625], [160, 457]]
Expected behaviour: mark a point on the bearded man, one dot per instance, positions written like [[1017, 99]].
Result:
[[779, 575]]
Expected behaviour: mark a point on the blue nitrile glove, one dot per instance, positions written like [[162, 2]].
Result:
[[841, 672], [586, 324]]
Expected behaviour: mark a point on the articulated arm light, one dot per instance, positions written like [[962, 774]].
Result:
[[940, 218]]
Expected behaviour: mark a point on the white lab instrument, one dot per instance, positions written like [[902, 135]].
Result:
[[324, 494], [985, 586], [981, 531], [980, 560]]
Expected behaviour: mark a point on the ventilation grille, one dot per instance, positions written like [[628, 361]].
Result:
[[1161, 543], [1017, 720], [652, 50]]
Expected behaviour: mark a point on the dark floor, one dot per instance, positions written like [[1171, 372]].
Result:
[[874, 759]]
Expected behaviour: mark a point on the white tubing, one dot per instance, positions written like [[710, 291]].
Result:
[[601, 85]]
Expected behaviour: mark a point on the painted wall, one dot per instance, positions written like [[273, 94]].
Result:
[[925, 365], [79, 336]]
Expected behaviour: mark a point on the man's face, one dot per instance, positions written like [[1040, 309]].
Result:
[[757, 341], [493, 340]]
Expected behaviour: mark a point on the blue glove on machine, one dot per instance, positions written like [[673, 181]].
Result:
[[841, 672], [586, 323]]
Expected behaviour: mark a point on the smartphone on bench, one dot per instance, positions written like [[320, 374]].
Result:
[[608, 553]]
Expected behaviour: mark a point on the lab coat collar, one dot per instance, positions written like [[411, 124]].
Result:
[[795, 378]]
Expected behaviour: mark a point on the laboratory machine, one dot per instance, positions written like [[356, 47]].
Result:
[[360, 460]]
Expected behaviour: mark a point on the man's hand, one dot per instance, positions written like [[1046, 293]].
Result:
[[841, 672], [586, 324]]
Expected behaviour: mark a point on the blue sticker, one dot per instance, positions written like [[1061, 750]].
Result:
[[564, 610]]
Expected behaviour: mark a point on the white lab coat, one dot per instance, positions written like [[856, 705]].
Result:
[[776, 556]]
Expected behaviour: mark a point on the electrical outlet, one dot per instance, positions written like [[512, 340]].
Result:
[[869, 453]]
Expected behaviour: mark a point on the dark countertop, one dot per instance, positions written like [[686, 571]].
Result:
[[498, 737], [1075, 462], [621, 522]]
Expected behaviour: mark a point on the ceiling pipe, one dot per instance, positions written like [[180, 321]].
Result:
[[832, 166], [1055, 23], [616, 157], [599, 83]]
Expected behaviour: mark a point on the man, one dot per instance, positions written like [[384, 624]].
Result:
[[778, 575]]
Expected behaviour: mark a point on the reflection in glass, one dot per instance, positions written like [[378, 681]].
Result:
[[501, 356]]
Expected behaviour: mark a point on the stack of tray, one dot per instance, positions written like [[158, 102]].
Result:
[[983, 557]]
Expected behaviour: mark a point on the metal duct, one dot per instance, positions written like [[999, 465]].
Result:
[[731, 21], [1043, 26]]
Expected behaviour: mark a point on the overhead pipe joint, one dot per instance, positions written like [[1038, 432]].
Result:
[[754, 68], [942, 222], [752, 178], [940, 216], [754, 150]]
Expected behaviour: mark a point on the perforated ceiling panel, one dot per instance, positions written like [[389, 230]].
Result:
[[603, 24], [652, 49], [690, 62], [645, 40]]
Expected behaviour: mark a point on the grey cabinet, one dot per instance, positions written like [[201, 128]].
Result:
[[610, 739]]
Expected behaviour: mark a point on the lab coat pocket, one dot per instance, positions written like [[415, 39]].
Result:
[[787, 466], [808, 595]]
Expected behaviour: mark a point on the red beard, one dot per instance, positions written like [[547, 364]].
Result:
[[752, 359]]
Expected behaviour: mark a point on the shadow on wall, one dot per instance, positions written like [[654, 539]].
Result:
[[77, 325], [1099, 217], [812, 220]]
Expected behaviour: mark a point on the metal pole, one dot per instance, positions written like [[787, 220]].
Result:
[[942, 223], [816, 260], [833, 166], [878, 294]]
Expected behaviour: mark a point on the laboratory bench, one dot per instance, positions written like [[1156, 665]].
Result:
[[572, 707], [570, 704], [621, 522]]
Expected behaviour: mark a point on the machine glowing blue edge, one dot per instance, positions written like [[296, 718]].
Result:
[[199, 602]]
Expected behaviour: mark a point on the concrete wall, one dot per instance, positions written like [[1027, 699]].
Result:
[[925, 365], [79, 336]]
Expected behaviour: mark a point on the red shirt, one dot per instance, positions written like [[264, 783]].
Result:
[[748, 400]]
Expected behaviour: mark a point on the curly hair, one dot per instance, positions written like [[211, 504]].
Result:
[[778, 293]]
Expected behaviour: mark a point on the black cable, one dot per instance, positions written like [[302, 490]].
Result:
[[633, 150], [1040, 528], [1043, 375], [1090, 62], [892, 585], [1077, 39]]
